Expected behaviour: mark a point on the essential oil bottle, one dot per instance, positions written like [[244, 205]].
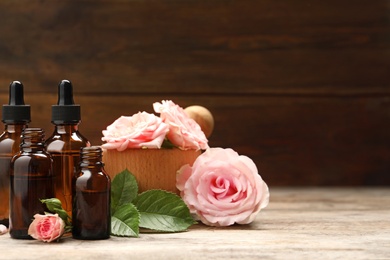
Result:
[[91, 216], [65, 143], [16, 116], [31, 179]]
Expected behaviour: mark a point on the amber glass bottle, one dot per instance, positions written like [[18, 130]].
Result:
[[31, 179], [16, 116], [65, 143], [91, 216]]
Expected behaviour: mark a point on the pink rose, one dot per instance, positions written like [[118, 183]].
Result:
[[142, 130], [47, 227], [3, 229], [223, 188], [184, 132]]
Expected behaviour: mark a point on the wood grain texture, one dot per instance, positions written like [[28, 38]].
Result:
[[152, 168], [300, 87], [197, 47], [298, 224], [292, 140]]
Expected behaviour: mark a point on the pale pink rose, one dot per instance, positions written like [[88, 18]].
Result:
[[223, 188], [3, 229], [184, 132], [46, 228], [142, 130]]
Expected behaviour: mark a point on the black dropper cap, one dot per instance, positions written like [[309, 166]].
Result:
[[16, 111], [66, 111]]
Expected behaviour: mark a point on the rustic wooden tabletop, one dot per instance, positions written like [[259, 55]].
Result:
[[299, 223]]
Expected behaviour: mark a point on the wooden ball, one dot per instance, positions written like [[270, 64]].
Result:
[[203, 117]]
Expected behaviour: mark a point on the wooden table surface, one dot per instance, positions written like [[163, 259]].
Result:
[[299, 223]]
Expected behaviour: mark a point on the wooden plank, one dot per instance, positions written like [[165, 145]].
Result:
[[189, 47], [297, 224], [302, 88], [292, 140]]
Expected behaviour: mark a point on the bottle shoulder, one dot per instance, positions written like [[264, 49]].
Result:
[[9, 143], [73, 138], [10, 135], [66, 142], [92, 179], [24, 163], [67, 132], [78, 137], [40, 154], [4, 135]]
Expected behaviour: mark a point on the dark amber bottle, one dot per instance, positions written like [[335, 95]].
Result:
[[31, 179], [65, 143], [91, 189], [15, 116]]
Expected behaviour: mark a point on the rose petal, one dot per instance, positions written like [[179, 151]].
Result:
[[223, 188], [184, 132], [3, 229], [142, 130], [46, 228]]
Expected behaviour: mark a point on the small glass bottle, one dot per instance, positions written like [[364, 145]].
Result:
[[91, 189], [31, 179], [16, 116], [65, 143]]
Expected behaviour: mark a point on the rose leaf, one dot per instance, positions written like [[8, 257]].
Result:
[[124, 190], [163, 211], [125, 221], [54, 205], [167, 144]]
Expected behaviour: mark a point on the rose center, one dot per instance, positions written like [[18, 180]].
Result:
[[223, 187], [45, 227]]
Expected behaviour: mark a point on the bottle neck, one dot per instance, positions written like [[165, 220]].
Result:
[[91, 157], [15, 128], [32, 140], [66, 128]]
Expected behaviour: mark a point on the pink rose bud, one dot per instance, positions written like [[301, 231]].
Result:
[[46, 228], [223, 188], [184, 132], [142, 130], [3, 229]]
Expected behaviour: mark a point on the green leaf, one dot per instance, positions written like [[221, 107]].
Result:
[[125, 221], [166, 144], [163, 211], [124, 189], [63, 214], [54, 205]]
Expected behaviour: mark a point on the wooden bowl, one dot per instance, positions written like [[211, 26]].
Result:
[[153, 168]]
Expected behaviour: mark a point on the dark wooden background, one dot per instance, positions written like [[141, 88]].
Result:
[[301, 87]]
